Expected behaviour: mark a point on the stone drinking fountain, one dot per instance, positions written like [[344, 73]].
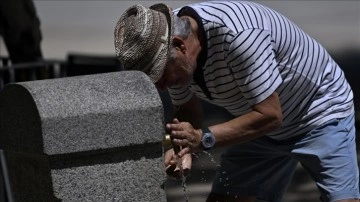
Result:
[[84, 138]]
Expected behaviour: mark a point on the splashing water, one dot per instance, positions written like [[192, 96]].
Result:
[[183, 177], [183, 180], [184, 188], [212, 159]]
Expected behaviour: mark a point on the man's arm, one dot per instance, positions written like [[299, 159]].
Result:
[[265, 116]]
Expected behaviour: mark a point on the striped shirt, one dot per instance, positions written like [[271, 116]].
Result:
[[250, 51]]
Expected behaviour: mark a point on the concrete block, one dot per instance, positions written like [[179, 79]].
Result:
[[82, 113], [30, 177], [134, 180], [101, 134]]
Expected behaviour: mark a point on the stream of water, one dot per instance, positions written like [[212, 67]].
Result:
[[183, 177], [183, 180]]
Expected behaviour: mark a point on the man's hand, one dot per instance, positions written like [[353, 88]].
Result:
[[183, 134], [173, 163]]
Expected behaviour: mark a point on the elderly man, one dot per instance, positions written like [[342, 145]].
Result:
[[290, 99]]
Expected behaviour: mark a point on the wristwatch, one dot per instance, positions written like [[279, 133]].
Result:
[[207, 139]]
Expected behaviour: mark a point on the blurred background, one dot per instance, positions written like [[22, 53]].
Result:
[[76, 38], [87, 26]]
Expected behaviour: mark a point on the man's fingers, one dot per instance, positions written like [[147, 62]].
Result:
[[174, 126], [187, 161], [185, 151], [169, 155], [184, 142], [179, 134], [186, 164], [173, 169]]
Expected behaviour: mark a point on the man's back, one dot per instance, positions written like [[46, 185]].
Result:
[[252, 51]]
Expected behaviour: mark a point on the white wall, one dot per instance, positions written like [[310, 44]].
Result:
[[88, 25]]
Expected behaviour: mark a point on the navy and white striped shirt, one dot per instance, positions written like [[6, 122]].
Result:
[[252, 51]]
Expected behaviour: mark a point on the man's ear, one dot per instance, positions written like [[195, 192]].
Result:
[[179, 43]]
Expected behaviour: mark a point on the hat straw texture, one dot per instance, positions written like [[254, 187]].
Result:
[[142, 38]]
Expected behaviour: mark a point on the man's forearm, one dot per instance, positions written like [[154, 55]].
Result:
[[264, 117]]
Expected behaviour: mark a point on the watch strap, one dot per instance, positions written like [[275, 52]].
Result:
[[205, 130]]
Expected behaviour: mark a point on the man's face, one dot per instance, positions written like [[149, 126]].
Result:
[[178, 72]]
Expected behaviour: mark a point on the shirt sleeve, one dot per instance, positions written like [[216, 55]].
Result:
[[252, 61], [180, 95]]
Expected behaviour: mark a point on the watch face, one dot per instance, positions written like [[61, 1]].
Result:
[[208, 140]]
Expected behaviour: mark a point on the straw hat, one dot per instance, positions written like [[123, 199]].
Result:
[[142, 39]]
